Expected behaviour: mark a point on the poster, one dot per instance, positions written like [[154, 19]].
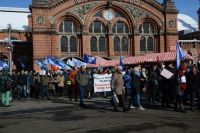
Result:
[[102, 82], [167, 74]]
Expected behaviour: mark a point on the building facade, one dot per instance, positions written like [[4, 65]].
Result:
[[107, 28]]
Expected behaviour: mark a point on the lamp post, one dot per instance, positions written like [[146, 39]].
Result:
[[52, 21], [10, 47]]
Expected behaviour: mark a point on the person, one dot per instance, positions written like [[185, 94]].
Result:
[[128, 87], [193, 79], [22, 80], [153, 78], [73, 88], [180, 82], [82, 81], [45, 83], [5, 86], [117, 87], [61, 81], [89, 87], [136, 86]]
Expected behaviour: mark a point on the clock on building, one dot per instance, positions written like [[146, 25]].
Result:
[[40, 20], [108, 15]]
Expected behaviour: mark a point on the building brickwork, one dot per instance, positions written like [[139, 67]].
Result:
[[65, 28]]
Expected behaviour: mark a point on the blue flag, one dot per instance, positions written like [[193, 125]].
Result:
[[121, 61], [89, 59], [3, 65], [180, 55], [78, 63], [41, 64], [55, 62]]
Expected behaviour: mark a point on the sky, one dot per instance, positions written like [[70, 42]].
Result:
[[188, 7]]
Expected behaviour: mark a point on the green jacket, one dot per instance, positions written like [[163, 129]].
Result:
[[82, 78], [45, 80]]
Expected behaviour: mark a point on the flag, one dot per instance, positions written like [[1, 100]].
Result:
[[56, 62], [41, 64], [89, 59], [180, 55], [3, 65], [121, 61], [70, 63], [78, 63]]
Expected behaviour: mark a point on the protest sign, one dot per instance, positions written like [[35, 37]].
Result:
[[102, 82], [167, 74]]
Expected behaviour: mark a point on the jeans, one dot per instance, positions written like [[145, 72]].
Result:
[[82, 93], [137, 100], [23, 91], [44, 91], [6, 98]]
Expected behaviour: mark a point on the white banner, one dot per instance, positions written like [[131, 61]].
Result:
[[102, 82]]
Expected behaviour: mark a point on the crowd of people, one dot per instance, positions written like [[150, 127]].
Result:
[[129, 84]]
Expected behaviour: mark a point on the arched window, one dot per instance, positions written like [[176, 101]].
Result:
[[93, 44], [124, 44], [143, 44], [102, 44], [97, 27], [147, 34], [120, 27], [64, 44], [116, 44], [67, 27], [69, 40], [98, 40], [73, 44], [150, 44]]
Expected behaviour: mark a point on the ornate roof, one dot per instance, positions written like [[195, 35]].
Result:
[[49, 3], [169, 6]]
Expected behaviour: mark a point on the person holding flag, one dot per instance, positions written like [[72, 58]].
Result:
[[180, 79]]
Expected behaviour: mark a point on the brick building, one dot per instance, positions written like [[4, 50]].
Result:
[[107, 28]]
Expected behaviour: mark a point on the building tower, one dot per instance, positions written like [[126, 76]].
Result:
[[171, 31]]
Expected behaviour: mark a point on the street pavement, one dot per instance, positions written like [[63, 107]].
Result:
[[61, 116]]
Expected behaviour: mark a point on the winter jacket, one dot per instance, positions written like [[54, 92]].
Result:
[[136, 83], [127, 80], [82, 78], [117, 83]]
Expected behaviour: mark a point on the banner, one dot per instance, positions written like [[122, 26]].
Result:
[[102, 82]]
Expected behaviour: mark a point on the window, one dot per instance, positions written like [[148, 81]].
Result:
[[102, 44], [64, 44], [120, 27], [93, 44], [116, 44], [124, 44], [146, 37], [73, 44], [121, 37], [97, 27], [98, 39], [69, 36], [150, 44], [143, 44], [67, 27]]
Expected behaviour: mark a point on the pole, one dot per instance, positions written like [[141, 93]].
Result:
[[10, 48]]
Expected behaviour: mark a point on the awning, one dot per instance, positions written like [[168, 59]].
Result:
[[132, 60]]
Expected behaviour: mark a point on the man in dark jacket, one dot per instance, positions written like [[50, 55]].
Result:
[[82, 80], [193, 79], [136, 86]]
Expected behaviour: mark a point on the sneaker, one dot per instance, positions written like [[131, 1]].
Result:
[[141, 108], [132, 107]]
